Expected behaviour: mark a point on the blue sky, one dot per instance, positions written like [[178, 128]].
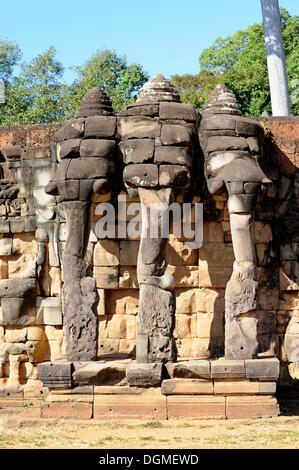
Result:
[[164, 36]]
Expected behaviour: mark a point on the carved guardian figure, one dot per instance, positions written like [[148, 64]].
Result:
[[232, 149], [85, 150]]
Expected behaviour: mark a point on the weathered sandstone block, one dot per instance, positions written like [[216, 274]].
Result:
[[144, 375]]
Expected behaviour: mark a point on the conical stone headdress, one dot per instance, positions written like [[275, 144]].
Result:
[[95, 103], [222, 101], [158, 89]]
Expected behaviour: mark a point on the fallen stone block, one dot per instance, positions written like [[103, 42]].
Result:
[[262, 369], [194, 369], [144, 375], [227, 368], [112, 373], [56, 374]]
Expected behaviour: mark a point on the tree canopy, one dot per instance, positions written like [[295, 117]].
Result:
[[38, 93], [105, 69], [239, 61]]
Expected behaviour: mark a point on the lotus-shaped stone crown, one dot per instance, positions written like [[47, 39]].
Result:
[[95, 103], [158, 89], [222, 101]]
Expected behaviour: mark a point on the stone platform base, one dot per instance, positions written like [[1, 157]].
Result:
[[12, 400], [195, 389], [158, 407]]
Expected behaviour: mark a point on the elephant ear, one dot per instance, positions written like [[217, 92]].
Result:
[[51, 188], [215, 187]]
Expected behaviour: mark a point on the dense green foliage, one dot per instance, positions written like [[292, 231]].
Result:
[[239, 61], [110, 72], [194, 89], [39, 95]]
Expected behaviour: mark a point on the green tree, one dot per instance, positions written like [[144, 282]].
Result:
[[10, 55], [194, 89], [105, 69], [37, 94], [241, 61]]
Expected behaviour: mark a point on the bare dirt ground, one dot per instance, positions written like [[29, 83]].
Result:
[[25, 430]]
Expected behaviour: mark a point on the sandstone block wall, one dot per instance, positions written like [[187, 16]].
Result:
[[33, 235]]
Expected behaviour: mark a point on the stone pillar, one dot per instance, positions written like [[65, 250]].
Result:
[[86, 152], [278, 81], [14, 370], [232, 149]]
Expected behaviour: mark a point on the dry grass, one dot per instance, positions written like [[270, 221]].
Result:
[[260, 433]]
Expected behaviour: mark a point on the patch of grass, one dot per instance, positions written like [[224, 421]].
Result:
[[246, 423], [98, 443], [27, 405], [283, 434], [147, 438], [108, 425], [203, 426], [152, 424]]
